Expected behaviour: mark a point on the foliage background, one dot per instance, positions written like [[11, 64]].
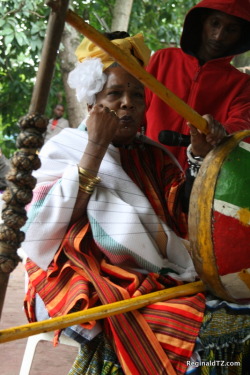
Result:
[[22, 30]]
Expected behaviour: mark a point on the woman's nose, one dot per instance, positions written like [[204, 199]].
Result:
[[127, 101]]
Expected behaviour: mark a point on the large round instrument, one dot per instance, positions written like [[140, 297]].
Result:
[[219, 220]]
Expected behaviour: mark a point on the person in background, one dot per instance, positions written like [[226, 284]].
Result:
[[57, 123], [200, 72]]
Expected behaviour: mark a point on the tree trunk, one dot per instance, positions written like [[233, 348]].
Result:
[[70, 40], [121, 15]]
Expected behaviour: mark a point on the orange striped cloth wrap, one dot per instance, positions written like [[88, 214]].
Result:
[[158, 339]]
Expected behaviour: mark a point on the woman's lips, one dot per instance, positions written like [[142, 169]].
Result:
[[127, 120]]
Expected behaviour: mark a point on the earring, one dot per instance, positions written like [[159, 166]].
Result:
[[142, 131]]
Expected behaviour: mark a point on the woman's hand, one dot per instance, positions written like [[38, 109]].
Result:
[[102, 124], [203, 143]]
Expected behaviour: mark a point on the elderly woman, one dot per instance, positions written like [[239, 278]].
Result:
[[107, 223]]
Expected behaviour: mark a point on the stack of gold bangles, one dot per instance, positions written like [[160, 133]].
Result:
[[87, 181]]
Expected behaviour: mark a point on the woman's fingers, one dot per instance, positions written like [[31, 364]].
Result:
[[102, 124], [100, 109]]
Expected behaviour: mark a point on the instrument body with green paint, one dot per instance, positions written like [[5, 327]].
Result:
[[219, 220]]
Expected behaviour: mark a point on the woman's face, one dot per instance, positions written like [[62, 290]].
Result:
[[220, 33], [125, 95]]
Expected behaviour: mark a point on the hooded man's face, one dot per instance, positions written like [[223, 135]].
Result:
[[220, 33]]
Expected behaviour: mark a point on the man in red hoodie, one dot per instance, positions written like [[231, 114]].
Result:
[[200, 72]]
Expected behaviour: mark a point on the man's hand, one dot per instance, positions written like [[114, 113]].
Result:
[[203, 143]]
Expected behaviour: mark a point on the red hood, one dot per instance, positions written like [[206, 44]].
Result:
[[238, 8], [192, 26]]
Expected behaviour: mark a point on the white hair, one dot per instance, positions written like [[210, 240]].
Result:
[[87, 79]]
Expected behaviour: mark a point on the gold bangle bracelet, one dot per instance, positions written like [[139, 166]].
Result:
[[87, 175], [86, 181], [86, 188]]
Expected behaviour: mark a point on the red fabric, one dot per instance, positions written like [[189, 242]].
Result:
[[54, 123], [216, 88], [238, 8]]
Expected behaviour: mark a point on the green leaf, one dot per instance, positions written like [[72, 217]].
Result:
[[21, 38], [12, 21], [7, 31], [8, 38], [35, 29]]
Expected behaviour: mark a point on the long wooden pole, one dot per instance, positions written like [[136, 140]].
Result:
[[99, 312], [136, 70], [48, 57]]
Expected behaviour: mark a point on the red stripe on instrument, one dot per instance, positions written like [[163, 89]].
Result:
[[231, 244]]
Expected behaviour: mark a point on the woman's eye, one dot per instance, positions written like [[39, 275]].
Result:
[[139, 95], [113, 93]]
